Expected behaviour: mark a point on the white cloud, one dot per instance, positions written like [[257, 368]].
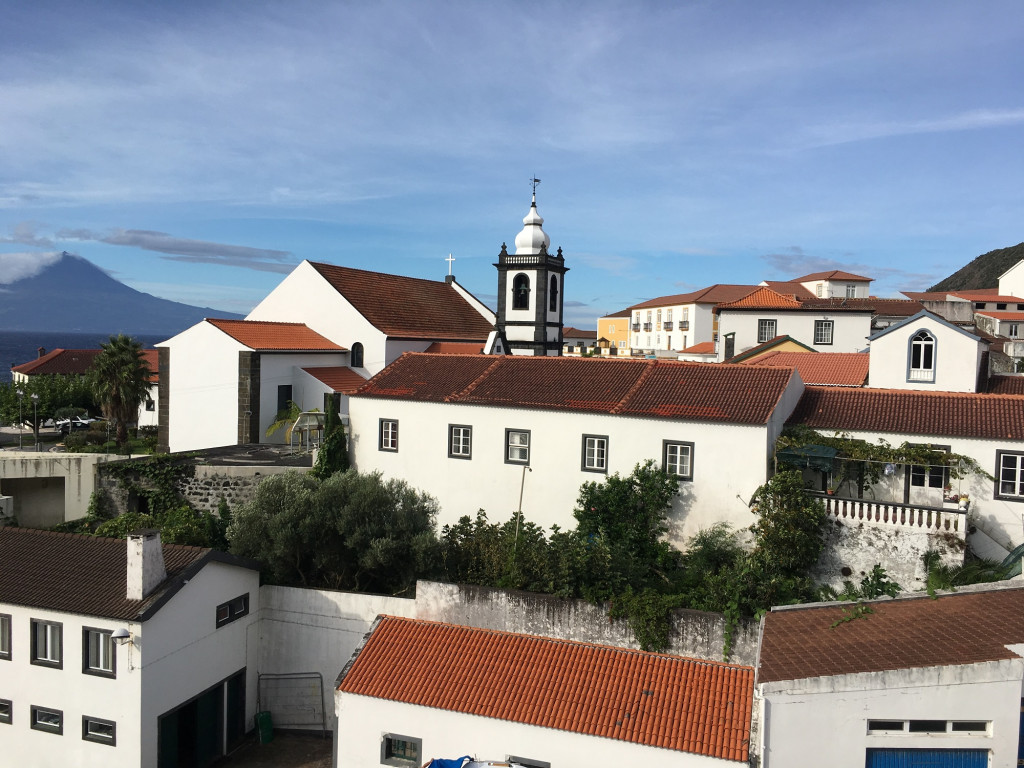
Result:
[[18, 266]]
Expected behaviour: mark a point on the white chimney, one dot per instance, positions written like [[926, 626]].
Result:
[[145, 563]]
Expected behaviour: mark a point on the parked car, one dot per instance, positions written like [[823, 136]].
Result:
[[67, 425]]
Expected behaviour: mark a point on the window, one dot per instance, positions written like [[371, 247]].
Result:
[[150, 404], [5, 636], [979, 305], [677, 459], [668, 316], [100, 731], [400, 750], [44, 719], [6, 711], [46, 643], [527, 762], [595, 453], [1001, 306], [819, 290], [97, 652], [460, 441], [622, 345], [1010, 476], [765, 331], [1014, 331], [355, 355], [553, 295], [931, 476], [823, 331], [232, 610], [927, 726], [284, 396], [886, 725], [851, 291], [521, 292], [517, 446], [388, 435], [922, 357]]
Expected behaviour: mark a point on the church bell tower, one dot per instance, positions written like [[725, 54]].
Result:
[[530, 291]]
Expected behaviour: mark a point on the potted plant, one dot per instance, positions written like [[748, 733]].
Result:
[[964, 501]]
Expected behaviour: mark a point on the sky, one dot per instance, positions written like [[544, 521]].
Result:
[[198, 151]]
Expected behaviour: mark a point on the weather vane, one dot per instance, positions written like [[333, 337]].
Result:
[[535, 181]]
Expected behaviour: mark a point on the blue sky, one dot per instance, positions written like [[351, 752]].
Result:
[[199, 150]]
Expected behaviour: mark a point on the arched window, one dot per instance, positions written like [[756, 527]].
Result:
[[553, 300], [922, 357], [356, 355], [521, 292]]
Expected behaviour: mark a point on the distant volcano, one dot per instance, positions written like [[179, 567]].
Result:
[[74, 295]]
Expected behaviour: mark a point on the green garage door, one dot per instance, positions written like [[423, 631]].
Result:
[[927, 758]]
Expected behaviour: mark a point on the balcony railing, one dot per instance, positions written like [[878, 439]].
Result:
[[893, 514], [667, 325], [647, 326], [684, 325]]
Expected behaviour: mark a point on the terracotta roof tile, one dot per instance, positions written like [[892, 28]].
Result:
[[456, 347], [639, 387], [701, 707], [713, 294], [408, 307], [82, 574], [763, 347], [59, 362], [703, 348], [835, 274], [340, 378], [835, 369], [152, 358], [1005, 385], [762, 298], [266, 335], [985, 294], [789, 288], [955, 414], [577, 333], [1018, 316], [955, 629]]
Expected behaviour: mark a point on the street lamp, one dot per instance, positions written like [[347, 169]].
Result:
[[21, 418], [35, 418]]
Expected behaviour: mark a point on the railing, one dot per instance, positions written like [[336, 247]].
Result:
[[647, 326], [667, 325], [684, 325], [891, 513], [522, 259], [636, 327]]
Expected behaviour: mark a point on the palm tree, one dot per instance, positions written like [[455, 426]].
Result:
[[119, 377]]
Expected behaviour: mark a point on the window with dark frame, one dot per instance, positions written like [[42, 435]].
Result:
[[766, 330], [930, 476], [99, 730], [553, 295], [517, 446], [1009, 476], [388, 435], [460, 441], [284, 397], [5, 636], [232, 610], [98, 652], [6, 711], [47, 643], [355, 355], [400, 750], [595, 453], [922, 357], [677, 459], [823, 331], [46, 719], [521, 292]]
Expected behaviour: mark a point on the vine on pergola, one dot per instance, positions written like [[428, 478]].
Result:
[[865, 463]]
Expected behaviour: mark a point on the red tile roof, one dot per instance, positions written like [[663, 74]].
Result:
[[59, 362], [86, 574], [456, 347], [835, 274], [986, 295], [640, 387], [955, 629], [954, 414], [672, 702], [703, 348], [408, 307], [762, 298], [835, 369], [790, 288], [1000, 315], [340, 378], [263, 335], [761, 348], [577, 333], [713, 294], [1005, 385], [152, 358]]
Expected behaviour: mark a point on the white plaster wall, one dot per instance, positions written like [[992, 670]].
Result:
[[395, 348], [317, 630], [520, 332], [364, 720], [823, 721], [478, 305], [305, 297], [284, 369], [181, 652], [837, 288], [1011, 282], [148, 418], [71, 691], [957, 357], [77, 472], [850, 330], [203, 389], [729, 460]]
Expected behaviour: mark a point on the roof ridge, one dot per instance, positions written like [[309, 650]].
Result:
[[641, 379], [475, 382]]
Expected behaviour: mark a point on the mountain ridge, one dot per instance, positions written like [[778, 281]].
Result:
[[982, 271], [74, 295]]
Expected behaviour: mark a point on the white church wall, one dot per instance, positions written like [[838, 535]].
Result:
[[278, 370]]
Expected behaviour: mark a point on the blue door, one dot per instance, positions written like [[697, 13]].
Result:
[[927, 758]]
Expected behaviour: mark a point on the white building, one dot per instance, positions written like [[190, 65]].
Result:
[[418, 690], [180, 690], [484, 432], [910, 681], [833, 284]]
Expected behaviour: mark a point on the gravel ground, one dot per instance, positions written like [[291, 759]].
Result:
[[287, 750]]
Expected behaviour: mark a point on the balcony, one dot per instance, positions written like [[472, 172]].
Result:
[[684, 325], [647, 326], [667, 325], [635, 327], [890, 514]]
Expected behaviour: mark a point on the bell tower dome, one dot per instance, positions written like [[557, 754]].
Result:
[[530, 290]]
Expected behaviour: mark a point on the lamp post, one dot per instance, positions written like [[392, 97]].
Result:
[[21, 419], [35, 418]]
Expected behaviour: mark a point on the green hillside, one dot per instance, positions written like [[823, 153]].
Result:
[[984, 271]]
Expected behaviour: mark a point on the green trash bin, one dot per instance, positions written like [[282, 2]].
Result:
[[265, 726]]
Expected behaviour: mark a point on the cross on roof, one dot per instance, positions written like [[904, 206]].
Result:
[[450, 260]]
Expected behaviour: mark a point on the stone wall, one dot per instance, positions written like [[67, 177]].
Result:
[[236, 485]]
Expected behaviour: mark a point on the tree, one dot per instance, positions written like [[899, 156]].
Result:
[[349, 531], [119, 377], [56, 393], [333, 455]]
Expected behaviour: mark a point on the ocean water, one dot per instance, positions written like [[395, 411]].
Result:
[[17, 347]]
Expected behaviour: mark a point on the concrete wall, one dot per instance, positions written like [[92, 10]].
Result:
[[49, 488], [236, 485], [823, 721], [850, 330]]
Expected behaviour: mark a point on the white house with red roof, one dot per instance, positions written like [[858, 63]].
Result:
[[835, 283], [511, 432], [910, 681], [417, 690]]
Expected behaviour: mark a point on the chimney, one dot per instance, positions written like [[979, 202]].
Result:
[[40, 352], [145, 563]]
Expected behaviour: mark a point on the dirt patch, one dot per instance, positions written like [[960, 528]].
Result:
[[287, 750]]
